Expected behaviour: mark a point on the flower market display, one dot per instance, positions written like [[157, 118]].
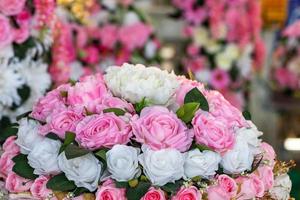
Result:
[[286, 62], [92, 35], [224, 44], [25, 37], [139, 133]]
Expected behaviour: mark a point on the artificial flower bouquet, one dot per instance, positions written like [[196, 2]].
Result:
[[286, 62], [139, 133]]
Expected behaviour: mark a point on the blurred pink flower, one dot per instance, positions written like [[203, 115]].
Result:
[[286, 79], [108, 35], [195, 16], [219, 79]]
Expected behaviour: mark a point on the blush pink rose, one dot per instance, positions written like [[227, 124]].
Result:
[[108, 191], [154, 194], [228, 184], [15, 183], [114, 102], [108, 35], [212, 131], [160, 128], [10, 146], [6, 32], [11, 7], [235, 98], [38, 189], [103, 130], [21, 35], [251, 187], [267, 176], [190, 193], [269, 154], [217, 193], [6, 163]]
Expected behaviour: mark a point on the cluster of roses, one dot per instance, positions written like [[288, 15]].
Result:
[[113, 32], [139, 133], [224, 43], [286, 61]]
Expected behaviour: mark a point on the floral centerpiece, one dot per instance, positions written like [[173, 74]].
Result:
[[139, 133], [286, 61], [224, 44], [92, 35], [25, 37]]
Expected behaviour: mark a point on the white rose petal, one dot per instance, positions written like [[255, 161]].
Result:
[[162, 166], [43, 157], [200, 36], [232, 51], [131, 18], [150, 49], [122, 162], [28, 136], [204, 164], [223, 61], [281, 188], [110, 4], [85, 171]]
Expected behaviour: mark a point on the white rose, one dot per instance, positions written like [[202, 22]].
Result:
[[238, 159], [131, 18], [162, 166], [85, 171], [200, 36], [43, 157], [131, 82], [28, 136], [204, 164], [232, 51], [223, 61], [110, 4], [203, 75], [281, 188], [150, 49], [244, 63], [212, 46], [122, 162]]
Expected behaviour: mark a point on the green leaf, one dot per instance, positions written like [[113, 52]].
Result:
[[24, 93], [140, 105], [187, 111], [60, 183], [122, 184], [172, 187], [101, 154], [23, 115], [20, 50], [22, 168], [69, 138], [117, 111], [64, 94], [138, 192], [195, 96], [247, 115], [79, 191], [73, 151], [52, 136], [7, 132], [203, 147]]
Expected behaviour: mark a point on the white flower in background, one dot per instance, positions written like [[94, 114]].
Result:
[[76, 70], [162, 166], [294, 64], [6, 53], [122, 162], [212, 46], [200, 36], [131, 18], [281, 188], [28, 136], [131, 82], [223, 61], [232, 51], [244, 63], [150, 49], [43, 157], [203, 164], [222, 31], [110, 4], [238, 159], [85, 171], [203, 75]]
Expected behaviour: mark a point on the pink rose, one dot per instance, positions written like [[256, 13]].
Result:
[[235, 98], [190, 193], [108, 191], [6, 163], [22, 34], [108, 35], [269, 154], [103, 130], [267, 176], [217, 193], [219, 79], [11, 7], [114, 102], [251, 187], [6, 33], [10, 146], [154, 194], [159, 128], [38, 188], [213, 131], [91, 55], [15, 183], [228, 185]]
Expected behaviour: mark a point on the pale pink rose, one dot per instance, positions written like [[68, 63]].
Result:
[[235, 98], [103, 130], [217, 193], [135, 35], [268, 153], [251, 187], [11, 7], [154, 194], [160, 128], [190, 193], [6, 163], [267, 176], [10, 146], [213, 131], [114, 102], [91, 55], [6, 32], [228, 185], [15, 183], [108, 191], [108, 35], [38, 189], [219, 79], [21, 35]]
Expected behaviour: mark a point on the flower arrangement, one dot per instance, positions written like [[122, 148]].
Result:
[[224, 43], [139, 133], [25, 37], [91, 35], [286, 62]]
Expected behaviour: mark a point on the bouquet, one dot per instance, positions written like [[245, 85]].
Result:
[[25, 37], [224, 44], [92, 35], [140, 133], [286, 61]]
